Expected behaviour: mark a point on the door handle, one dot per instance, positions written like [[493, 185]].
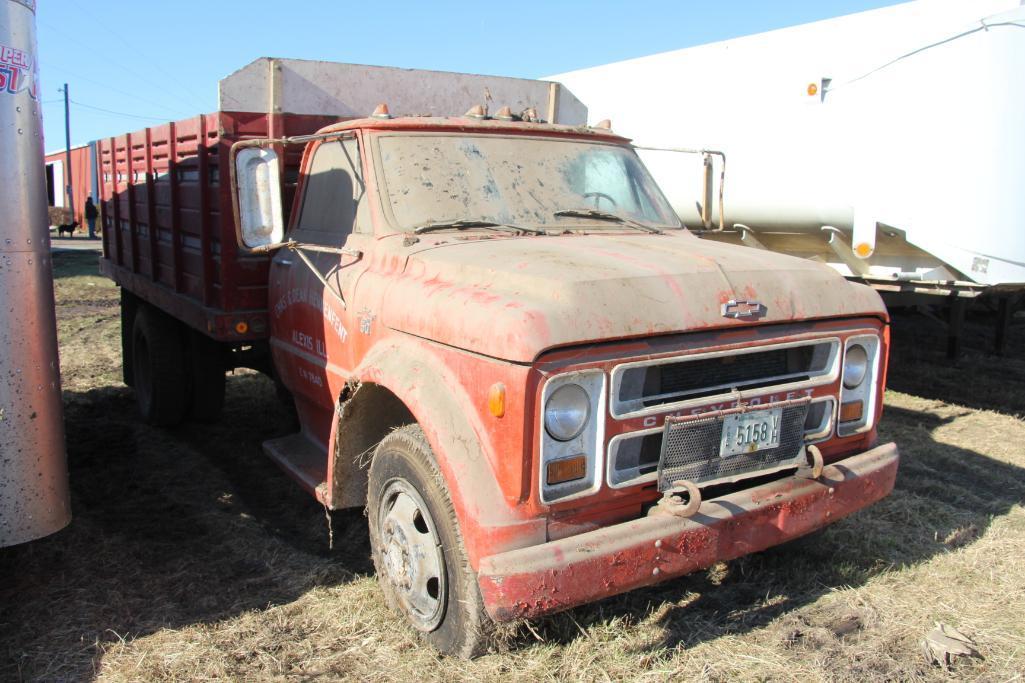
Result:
[[285, 261]]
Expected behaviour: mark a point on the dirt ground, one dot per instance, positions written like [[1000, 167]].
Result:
[[192, 557]]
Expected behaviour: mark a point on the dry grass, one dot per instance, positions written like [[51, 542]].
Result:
[[191, 557]]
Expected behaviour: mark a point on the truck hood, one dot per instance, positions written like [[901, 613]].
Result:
[[513, 298]]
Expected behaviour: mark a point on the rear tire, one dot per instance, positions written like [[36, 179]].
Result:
[[206, 365], [158, 368], [418, 550]]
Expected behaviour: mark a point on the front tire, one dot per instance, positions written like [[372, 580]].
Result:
[[417, 548]]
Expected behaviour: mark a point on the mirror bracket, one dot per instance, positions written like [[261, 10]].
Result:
[[270, 205]]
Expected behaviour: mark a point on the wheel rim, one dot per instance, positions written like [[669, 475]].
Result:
[[412, 554]]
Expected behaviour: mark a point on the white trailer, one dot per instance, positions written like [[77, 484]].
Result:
[[887, 143]]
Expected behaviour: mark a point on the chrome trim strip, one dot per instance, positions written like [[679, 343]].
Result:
[[829, 376], [868, 391], [588, 442], [612, 451], [826, 430]]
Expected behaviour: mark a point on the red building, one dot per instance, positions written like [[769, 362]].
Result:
[[83, 178]]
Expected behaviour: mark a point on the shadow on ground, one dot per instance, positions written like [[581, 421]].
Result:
[[170, 528], [978, 379], [195, 525], [75, 263]]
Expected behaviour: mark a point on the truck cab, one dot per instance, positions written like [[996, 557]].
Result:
[[543, 388]]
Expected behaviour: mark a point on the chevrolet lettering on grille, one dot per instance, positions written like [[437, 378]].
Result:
[[742, 308]]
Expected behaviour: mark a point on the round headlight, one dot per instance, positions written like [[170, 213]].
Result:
[[566, 412], [855, 366]]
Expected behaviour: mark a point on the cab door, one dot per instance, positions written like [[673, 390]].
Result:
[[314, 316]]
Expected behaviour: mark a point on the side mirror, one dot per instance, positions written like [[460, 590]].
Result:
[[256, 176]]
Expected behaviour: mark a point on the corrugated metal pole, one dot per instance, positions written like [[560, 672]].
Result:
[[67, 153]]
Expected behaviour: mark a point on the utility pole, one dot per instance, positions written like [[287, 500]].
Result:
[[67, 154]]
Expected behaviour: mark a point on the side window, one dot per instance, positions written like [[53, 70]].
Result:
[[333, 196]]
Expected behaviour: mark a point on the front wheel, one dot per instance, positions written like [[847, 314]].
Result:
[[418, 551]]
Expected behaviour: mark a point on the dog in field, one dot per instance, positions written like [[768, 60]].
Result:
[[67, 228]]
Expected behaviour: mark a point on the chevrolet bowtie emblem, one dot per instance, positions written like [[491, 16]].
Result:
[[742, 309]]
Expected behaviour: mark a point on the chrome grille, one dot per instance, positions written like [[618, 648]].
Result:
[[692, 377], [690, 449], [667, 383]]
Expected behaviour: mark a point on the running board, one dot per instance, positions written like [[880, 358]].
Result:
[[303, 460]]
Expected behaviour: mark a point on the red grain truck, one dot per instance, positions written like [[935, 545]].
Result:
[[499, 338]]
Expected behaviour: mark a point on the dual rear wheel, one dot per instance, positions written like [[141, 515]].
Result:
[[177, 373]]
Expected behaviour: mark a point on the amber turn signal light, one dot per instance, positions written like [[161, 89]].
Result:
[[496, 399], [241, 327], [561, 471], [851, 411]]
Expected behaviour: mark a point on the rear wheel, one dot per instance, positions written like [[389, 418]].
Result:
[[206, 372], [418, 551], [158, 368]]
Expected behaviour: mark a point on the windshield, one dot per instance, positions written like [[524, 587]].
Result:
[[432, 178]]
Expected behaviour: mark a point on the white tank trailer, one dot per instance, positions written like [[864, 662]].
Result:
[[888, 143], [33, 469]]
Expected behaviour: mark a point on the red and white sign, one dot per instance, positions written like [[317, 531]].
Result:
[[16, 71]]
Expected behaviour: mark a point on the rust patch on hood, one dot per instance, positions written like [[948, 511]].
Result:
[[513, 298]]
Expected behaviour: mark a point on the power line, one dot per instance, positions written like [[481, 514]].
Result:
[[982, 27], [119, 63], [117, 113], [177, 112], [137, 51]]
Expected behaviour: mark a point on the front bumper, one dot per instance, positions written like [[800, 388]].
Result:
[[554, 576]]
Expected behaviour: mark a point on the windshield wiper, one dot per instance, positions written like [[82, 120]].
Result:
[[466, 223], [606, 216]]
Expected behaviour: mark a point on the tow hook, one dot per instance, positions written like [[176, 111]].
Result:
[[815, 462], [672, 502]]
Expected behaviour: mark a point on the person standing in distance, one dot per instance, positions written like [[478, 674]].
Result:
[[90, 216]]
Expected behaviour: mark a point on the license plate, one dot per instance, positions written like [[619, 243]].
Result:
[[750, 432]]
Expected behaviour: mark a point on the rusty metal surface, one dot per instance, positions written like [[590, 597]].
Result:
[[561, 574], [33, 470], [436, 319], [184, 261], [519, 297], [465, 124]]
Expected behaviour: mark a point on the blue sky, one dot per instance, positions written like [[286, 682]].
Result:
[[153, 61]]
